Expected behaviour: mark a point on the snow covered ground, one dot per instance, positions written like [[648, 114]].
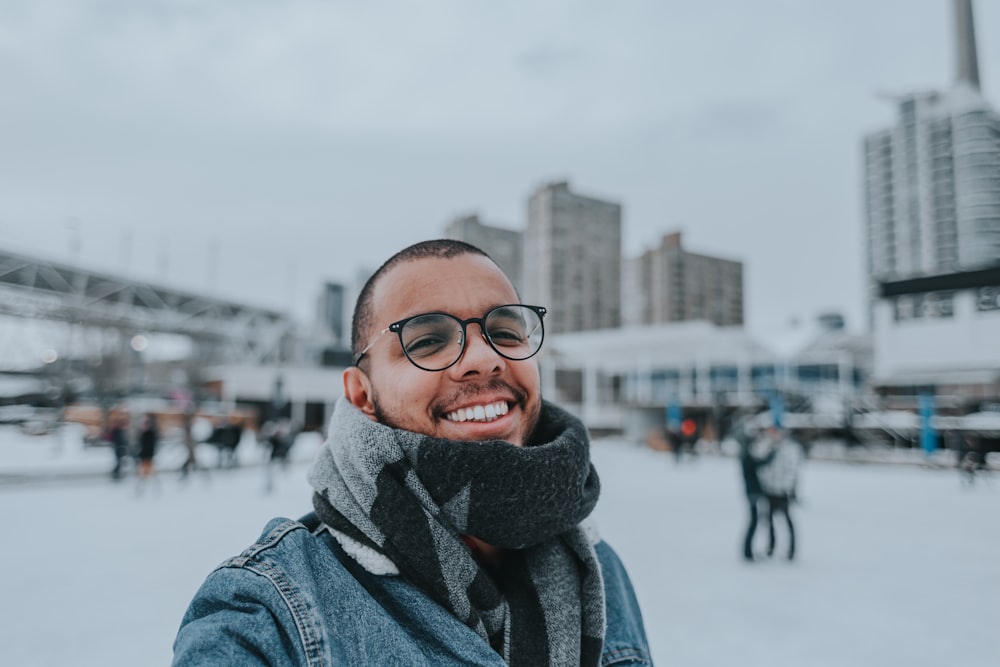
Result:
[[898, 565]]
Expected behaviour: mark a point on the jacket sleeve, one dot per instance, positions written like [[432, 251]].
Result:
[[625, 642], [237, 618]]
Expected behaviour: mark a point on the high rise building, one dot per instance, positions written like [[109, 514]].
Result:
[[502, 244], [670, 284], [932, 195], [933, 178], [572, 259], [330, 312]]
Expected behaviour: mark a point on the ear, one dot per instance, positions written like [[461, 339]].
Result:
[[358, 390]]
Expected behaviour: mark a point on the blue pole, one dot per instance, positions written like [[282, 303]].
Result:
[[674, 414], [928, 436], [777, 409]]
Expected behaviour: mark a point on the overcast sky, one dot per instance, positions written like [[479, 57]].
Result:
[[254, 149]]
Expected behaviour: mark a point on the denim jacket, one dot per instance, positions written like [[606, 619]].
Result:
[[297, 598]]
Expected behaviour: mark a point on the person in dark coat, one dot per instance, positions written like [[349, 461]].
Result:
[[118, 437], [750, 464], [231, 434], [149, 438]]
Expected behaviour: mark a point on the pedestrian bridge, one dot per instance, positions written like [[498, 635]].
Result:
[[31, 287]]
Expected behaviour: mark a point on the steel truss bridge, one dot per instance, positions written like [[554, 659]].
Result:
[[36, 288]]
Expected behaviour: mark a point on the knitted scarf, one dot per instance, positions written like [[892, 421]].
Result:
[[411, 497]]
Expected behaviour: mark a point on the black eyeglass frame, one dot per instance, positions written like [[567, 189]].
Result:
[[397, 328]]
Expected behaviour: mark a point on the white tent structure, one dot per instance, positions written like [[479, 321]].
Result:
[[623, 379]]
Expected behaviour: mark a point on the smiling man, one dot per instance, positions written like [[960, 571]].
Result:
[[451, 502]]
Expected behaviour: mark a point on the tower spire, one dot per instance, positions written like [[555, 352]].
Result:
[[968, 63]]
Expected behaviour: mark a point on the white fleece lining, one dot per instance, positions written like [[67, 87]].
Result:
[[365, 556]]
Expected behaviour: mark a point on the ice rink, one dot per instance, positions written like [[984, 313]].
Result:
[[897, 564]]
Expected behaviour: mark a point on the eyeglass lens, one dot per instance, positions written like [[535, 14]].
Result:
[[434, 341]]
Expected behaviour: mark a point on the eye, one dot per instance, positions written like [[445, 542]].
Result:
[[426, 345], [507, 334], [428, 335]]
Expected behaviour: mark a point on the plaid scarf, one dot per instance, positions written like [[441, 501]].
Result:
[[411, 497]]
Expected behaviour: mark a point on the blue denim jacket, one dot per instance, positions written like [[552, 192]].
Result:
[[296, 598]]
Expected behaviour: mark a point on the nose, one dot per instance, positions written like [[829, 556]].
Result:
[[478, 357]]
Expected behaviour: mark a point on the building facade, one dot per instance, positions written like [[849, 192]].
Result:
[[572, 259], [933, 187], [624, 380], [932, 196], [502, 244], [671, 284]]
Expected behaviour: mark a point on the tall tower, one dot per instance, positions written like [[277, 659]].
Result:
[[968, 62], [932, 209], [572, 259], [330, 312]]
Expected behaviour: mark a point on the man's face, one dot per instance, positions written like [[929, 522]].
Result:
[[393, 391]]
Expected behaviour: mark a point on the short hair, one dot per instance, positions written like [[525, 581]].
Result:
[[364, 312]]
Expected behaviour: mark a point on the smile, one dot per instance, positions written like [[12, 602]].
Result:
[[479, 413]]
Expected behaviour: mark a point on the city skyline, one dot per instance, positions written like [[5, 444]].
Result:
[[256, 152]]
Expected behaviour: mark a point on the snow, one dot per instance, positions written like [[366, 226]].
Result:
[[897, 564]]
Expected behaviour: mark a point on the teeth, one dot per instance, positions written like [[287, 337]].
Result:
[[479, 413]]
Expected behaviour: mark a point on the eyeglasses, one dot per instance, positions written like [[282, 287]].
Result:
[[436, 341]]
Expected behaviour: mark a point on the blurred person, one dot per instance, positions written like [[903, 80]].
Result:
[[190, 446], [118, 438], [226, 436], [751, 459], [277, 438], [215, 439], [971, 456], [675, 443], [149, 438], [232, 435], [451, 502], [688, 438], [778, 480]]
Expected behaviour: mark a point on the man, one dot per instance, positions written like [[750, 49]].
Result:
[[750, 464], [450, 502]]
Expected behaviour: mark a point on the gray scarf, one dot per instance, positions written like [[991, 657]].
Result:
[[411, 497]]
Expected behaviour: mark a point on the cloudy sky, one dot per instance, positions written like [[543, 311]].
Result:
[[255, 148]]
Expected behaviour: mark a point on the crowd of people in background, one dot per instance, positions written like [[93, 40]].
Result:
[[136, 441]]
